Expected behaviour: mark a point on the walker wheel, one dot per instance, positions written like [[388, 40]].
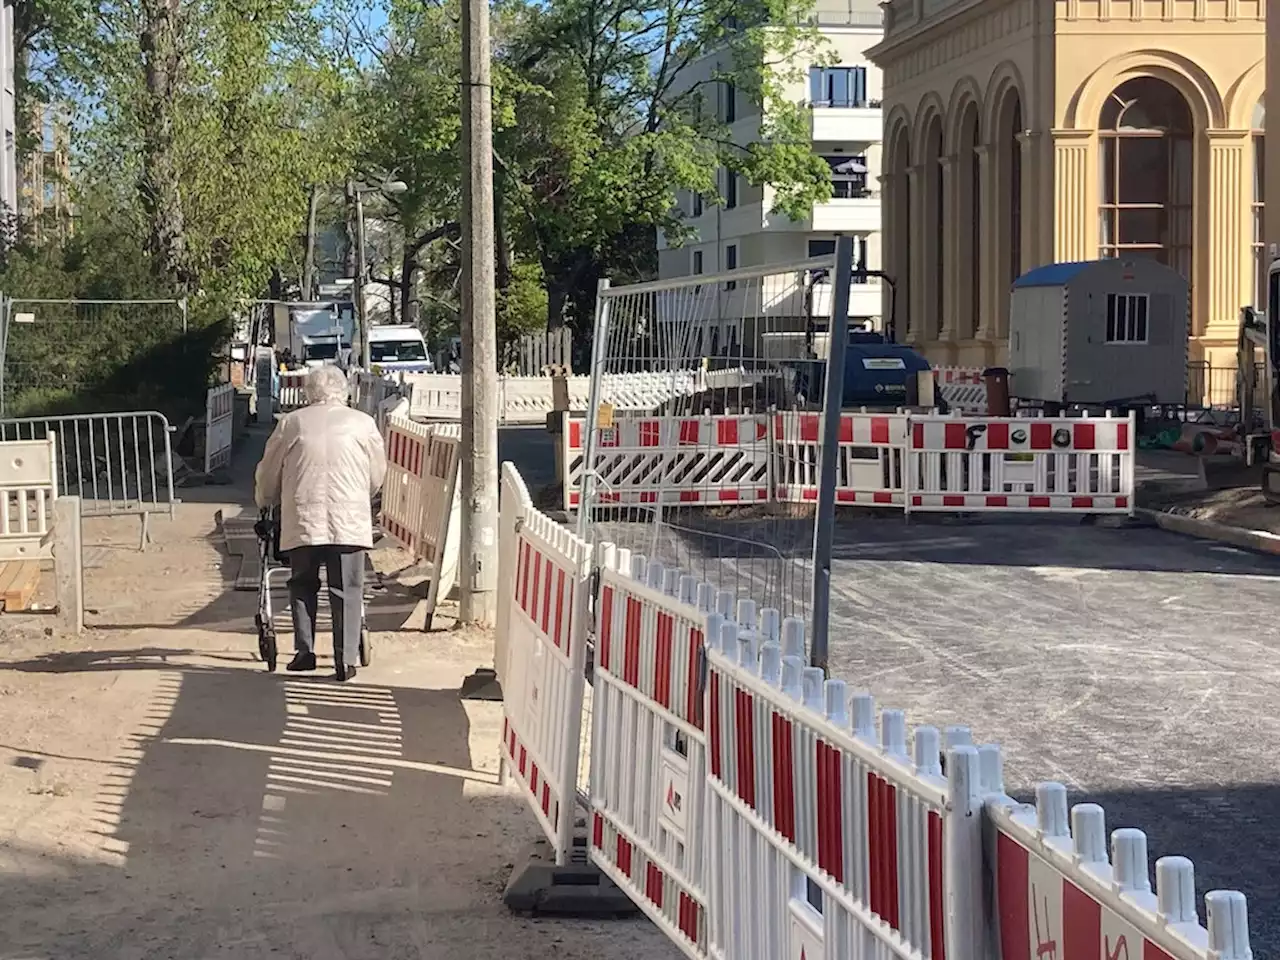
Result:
[[366, 647], [267, 648]]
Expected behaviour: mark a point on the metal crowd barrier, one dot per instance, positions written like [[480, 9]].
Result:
[[119, 464]]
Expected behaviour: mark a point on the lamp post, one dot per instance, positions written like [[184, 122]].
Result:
[[355, 195]]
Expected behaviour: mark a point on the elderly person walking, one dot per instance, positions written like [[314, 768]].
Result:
[[322, 466]]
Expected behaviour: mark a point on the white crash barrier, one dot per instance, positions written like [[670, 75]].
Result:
[[1068, 464], [219, 412], [885, 847], [28, 489], [872, 458], [750, 806], [963, 388], [913, 462], [648, 755], [419, 498], [544, 578], [1060, 893], [291, 396]]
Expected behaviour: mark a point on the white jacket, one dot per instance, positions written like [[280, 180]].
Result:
[[322, 466]]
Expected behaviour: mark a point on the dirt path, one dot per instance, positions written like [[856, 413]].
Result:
[[161, 796]]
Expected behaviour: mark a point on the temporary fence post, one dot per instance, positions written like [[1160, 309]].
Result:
[[828, 453], [598, 338], [68, 561], [962, 854]]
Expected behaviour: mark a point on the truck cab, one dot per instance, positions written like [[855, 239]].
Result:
[[398, 348]]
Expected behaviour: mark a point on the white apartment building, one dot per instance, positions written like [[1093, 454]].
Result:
[[847, 131]]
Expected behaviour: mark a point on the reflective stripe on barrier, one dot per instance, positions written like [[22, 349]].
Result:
[[292, 393], [963, 388], [1014, 464], [871, 470], [542, 659], [648, 770], [1059, 896]]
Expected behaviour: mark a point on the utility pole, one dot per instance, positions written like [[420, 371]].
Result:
[[309, 256], [478, 573], [358, 334]]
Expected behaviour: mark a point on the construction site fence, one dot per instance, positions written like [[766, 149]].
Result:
[[756, 808], [911, 462]]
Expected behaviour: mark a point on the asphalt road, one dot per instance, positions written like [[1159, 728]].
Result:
[[1139, 668]]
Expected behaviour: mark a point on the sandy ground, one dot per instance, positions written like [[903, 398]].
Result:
[[162, 796]]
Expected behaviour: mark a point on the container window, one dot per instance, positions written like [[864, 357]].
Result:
[[1127, 317]]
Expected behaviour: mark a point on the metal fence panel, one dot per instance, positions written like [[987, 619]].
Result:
[[54, 351], [119, 464]]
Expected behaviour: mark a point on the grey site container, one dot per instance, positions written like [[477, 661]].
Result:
[[1098, 332]]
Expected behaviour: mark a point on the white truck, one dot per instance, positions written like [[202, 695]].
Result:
[[319, 334]]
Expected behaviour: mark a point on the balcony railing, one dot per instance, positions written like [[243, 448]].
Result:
[[847, 104]]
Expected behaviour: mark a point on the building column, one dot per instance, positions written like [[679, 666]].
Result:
[[951, 241], [992, 270], [916, 304], [1074, 205], [1229, 248], [890, 230], [1038, 230]]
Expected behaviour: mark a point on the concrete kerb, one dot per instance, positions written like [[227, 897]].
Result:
[[1257, 540]]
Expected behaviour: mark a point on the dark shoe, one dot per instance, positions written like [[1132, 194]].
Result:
[[301, 662], [344, 674]]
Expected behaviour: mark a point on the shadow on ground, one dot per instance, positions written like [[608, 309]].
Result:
[[255, 814]]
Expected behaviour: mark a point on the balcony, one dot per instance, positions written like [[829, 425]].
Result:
[[847, 215], [847, 123]]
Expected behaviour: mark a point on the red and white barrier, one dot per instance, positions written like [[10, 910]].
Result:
[[963, 389], [420, 498], [293, 395], [886, 847], [648, 765], [707, 460], [1060, 895], [871, 470], [1070, 464], [544, 578], [750, 807]]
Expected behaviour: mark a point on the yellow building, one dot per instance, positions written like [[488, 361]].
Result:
[[1019, 133]]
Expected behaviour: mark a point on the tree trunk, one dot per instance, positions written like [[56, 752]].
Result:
[[160, 43], [410, 309]]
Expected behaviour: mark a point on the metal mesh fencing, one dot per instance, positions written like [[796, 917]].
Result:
[[54, 353], [687, 378]]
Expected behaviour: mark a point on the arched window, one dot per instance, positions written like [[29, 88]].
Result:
[[1147, 177], [1259, 204], [933, 174]]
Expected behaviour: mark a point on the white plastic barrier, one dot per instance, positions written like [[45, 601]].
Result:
[[872, 458], [962, 388], [219, 411], [292, 395], [648, 757], [1058, 894], [545, 579], [708, 460], [857, 849], [1073, 464], [28, 489], [419, 498]]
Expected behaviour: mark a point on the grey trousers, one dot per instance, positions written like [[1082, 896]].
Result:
[[344, 568]]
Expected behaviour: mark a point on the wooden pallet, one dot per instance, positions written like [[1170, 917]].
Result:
[[18, 582]]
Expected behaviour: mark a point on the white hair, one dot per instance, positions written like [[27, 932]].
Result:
[[326, 384]]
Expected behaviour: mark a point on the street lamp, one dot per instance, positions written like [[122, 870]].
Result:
[[355, 194]]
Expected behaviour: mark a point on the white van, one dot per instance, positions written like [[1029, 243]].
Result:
[[398, 348]]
